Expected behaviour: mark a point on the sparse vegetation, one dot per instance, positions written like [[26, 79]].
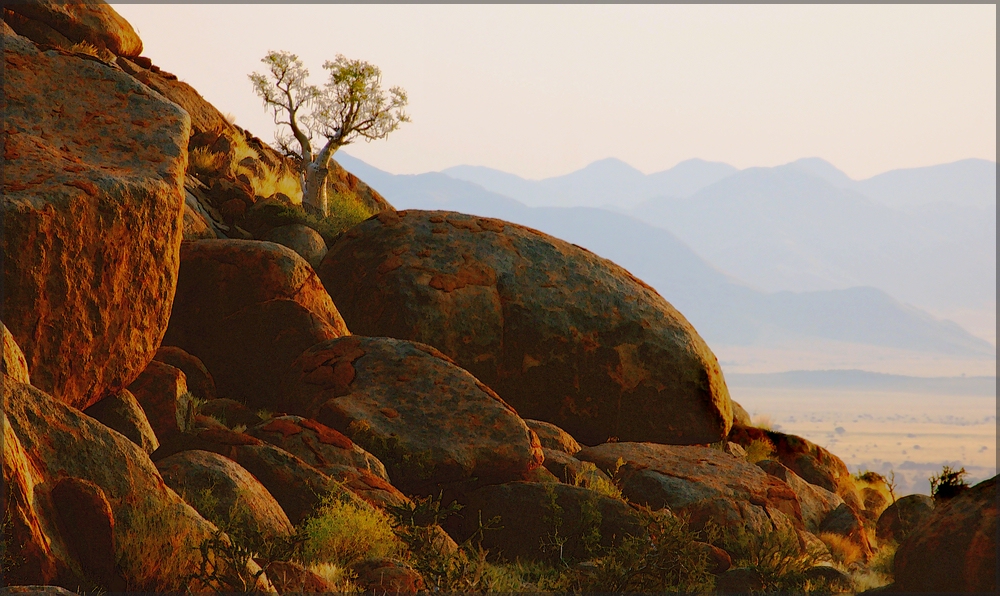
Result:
[[842, 550], [949, 483], [775, 554], [759, 450], [343, 533]]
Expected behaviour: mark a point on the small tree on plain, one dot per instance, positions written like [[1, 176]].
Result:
[[351, 105]]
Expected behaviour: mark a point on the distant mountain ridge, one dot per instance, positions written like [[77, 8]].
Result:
[[722, 308], [862, 380]]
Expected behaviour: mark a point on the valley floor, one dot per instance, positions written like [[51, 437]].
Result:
[[910, 434]]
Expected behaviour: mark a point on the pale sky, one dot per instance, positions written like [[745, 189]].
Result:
[[542, 90]]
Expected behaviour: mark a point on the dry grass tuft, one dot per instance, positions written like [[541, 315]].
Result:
[[759, 450], [842, 549]]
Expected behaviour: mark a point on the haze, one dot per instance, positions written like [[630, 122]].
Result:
[[541, 91]]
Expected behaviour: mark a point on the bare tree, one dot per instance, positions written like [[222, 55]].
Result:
[[351, 105]]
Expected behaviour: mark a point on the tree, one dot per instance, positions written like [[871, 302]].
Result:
[[351, 105]]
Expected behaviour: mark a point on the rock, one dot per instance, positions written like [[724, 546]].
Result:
[[92, 206], [702, 482], [955, 548], [55, 590], [874, 500], [195, 226], [156, 535], [162, 392], [844, 521], [202, 422], [739, 581], [387, 576], [316, 444], [87, 524], [902, 517], [373, 489], [302, 239], [36, 31], [291, 578], [199, 380], [808, 460], [540, 475], [247, 309], [14, 365], [535, 516], [122, 412], [815, 502], [427, 420], [346, 183], [553, 437], [719, 561], [561, 334], [568, 469], [93, 22], [740, 415], [229, 412], [234, 491], [735, 450]]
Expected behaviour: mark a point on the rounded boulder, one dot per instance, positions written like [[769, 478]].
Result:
[[561, 334]]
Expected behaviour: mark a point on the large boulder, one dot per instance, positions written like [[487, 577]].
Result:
[[809, 461], [199, 380], [247, 309], [318, 445], [902, 517], [702, 482], [426, 419], [220, 489], [544, 521], [123, 413], [553, 437], [93, 22], [815, 502], [92, 206], [155, 534], [302, 239], [561, 334], [955, 548]]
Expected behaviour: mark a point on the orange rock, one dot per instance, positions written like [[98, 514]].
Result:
[[92, 210], [248, 309], [561, 334], [162, 392], [14, 364], [93, 22]]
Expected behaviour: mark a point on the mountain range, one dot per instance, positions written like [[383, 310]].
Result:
[[722, 307]]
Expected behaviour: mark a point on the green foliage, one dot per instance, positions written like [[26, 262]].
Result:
[[344, 533], [590, 477], [345, 213], [666, 559], [774, 553], [949, 483], [759, 450]]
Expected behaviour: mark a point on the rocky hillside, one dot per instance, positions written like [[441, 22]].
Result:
[[207, 388]]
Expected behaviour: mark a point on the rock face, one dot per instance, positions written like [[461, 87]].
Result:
[[427, 420], [808, 460], [162, 392], [14, 365], [233, 490], [553, 437], [955, 548], [316, 444], [88, 525], [123, 413], [532, 515], [561, 334], [902, 517], [815, 502], [705, 483], [247, 309], [199, 380], [93, 22], [302, 239], [92, 206], [45, 440]]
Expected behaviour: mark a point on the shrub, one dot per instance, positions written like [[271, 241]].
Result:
[[589, 477], [949, 483], [841, 549], [759, 450], [774, 553], [343, 533]]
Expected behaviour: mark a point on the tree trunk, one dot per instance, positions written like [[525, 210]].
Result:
[[314, 193]]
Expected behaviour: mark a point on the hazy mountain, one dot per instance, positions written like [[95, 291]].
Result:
[[608, 182], [866, 381], [722, 308], [800, 227]]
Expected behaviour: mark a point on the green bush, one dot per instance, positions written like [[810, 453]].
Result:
[[343, 533]]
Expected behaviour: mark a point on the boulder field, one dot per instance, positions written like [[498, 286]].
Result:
[[178, 348]]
